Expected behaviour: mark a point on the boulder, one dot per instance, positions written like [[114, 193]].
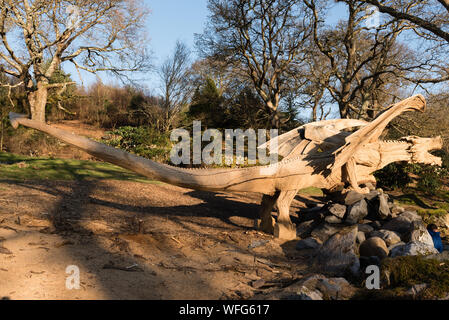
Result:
[[324, 231], [376, 225], [378, 207], [337, 210], [360, 237], [338, 253], [332, 219], [390, 248], [305, 293], [308, 243], [420, 234], [365, 228], [412, 249], [357, 212], [328, 288], [371, 195], [352, 197], [390, 237], [303, 229], [374, 246], [403, 223]]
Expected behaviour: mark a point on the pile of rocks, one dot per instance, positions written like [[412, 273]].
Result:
[[356, 230]]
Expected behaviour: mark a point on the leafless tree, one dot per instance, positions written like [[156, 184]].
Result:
[[430, 18], [176, 87], [93, 35], [263, 39], [363, 69]]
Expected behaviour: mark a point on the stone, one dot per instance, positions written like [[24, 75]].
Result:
[[352, 197], [376, 225], [374, 246], [378, 207], [403, 223], [334, 288], [308, 243], [329, 288], [337, 210], [412, 249], [304, 228], [369, 261], [324, 231], [396, 210], [384, 209], [365, 228], [332, 219], [305, 293], [371, 195], [338, 253], [420, 234], [390, 237], [390, 248], [360, 237], [357, 212], [416, 289]]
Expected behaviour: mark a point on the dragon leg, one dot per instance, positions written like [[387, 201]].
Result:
[[267, 221], [284, 228]]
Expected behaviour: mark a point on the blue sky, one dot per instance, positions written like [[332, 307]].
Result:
[[172, 20]]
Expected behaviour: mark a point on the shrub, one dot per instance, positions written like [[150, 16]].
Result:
[[143, 141]]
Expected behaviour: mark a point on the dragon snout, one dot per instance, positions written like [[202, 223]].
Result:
[[420, 148]]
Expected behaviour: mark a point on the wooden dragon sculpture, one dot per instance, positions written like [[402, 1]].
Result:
[[322, 154]]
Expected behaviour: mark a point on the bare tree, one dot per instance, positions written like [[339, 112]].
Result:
[[263, 39], [174, 75], [363, 69], [430, 18], [93, 35]]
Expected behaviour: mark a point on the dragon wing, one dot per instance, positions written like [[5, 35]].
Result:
[[328, 133], [372, 131]]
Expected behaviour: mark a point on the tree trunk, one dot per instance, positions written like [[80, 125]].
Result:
[[38, 100]]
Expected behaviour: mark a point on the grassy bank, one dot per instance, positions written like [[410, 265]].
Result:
[[17, 167]]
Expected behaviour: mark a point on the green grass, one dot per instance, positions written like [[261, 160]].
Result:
[[312, 191], [61, 169]]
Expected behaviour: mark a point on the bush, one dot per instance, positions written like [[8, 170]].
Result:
[[143, 141], [393, 176]]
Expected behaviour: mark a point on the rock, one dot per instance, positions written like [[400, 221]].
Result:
[[443, 256], [374, 246], [412, 249], [365, 228], [303, 229], [332, 219], [360, 237], [368, 261], [305, 293], [416, 289], [396, 210], [357, 212], [337, 210], [390, 237], [335, 288], [376, 225], [328, 288], [308, 243], [338, 253], [373, 194], [403, 223], [420, 234], [324, 231], [378, 207], [390, 248], [352, 197]]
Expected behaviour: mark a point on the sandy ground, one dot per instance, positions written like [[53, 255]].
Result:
[[137, 241]]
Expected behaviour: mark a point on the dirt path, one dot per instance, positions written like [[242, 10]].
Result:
[[136, 241]]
